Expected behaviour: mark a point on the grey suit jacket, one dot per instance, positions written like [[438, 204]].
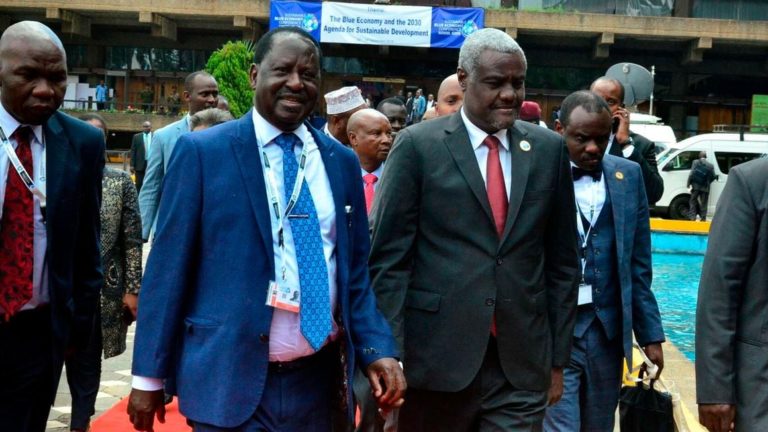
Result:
[[732, 314], [163, 143], [440, 270]]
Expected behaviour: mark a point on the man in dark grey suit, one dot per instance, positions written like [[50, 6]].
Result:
[[474, 258], [140, 146], [731, 337]]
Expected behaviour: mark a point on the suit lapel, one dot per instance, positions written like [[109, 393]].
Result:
[[61, 166], [248, 157], [616, 189], [521, 166], [463, 154]]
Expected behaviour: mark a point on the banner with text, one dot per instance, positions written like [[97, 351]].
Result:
[[352, 23]]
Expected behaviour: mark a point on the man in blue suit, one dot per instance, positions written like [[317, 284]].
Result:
[[50, 265], [200, 92], [247, 221], [615, 295]]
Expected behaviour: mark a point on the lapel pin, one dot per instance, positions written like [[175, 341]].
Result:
[[619, 175], [525, 146]]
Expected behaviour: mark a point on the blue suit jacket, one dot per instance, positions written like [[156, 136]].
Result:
[[203, 319], [639, 310], [160, 151]]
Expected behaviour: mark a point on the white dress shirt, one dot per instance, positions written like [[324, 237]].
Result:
[[590, 198], [147, 144], [476, 137], [626, 151], [377, 172], [286, 342], [40, 293]]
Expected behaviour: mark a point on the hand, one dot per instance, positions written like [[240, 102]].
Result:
[[656, 355], [556, 387], [142, 408], [717, 417], [131, 301], [390, 394], [622, 132]]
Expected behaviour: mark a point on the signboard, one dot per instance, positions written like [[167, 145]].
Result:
[[353, 23], [759, 110]]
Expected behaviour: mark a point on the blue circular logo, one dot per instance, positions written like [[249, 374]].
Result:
[[468, 28], [309, 23]]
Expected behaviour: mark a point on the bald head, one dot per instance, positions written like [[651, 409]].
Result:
[[33, 72], [449, 96], [370, 136]]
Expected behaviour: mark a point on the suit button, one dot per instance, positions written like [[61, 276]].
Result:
[[263, 338], [597, 291], [490, 302], [597, 251], [597, 309], [499, 260]]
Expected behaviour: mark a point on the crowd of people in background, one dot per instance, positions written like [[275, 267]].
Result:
[[439, 262]]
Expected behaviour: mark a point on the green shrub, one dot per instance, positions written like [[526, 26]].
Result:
[[230, 65]]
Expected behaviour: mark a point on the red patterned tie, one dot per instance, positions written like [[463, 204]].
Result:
[[17, 233], [369, 180], [497, 192]]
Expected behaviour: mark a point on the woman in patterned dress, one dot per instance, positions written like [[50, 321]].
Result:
[[121, 253]]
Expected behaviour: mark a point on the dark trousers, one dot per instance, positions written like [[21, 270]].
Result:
[[26, 371], [139, 179], [489, 403], [698, 204], [293, 400], [83, 376], [592, 382]]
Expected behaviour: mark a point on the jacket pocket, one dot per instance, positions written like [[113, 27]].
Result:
[[423, 300]]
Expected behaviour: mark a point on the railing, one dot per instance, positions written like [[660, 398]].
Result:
[[122, 106], [121, 157]]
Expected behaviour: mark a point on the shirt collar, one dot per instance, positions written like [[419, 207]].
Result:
[[377, 172], [10, 124], [477, 135], [266, 132]]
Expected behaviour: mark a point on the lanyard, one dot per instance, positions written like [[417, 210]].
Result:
[[36, 190], [584, 237], [273, 194]]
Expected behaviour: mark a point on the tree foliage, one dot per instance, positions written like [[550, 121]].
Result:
[[230, 65]]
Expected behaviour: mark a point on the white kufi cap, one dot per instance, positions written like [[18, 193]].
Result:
[[343, 100]]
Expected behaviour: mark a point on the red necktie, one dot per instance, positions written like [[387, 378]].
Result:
[[497, 192], [17, 233], [369, 180]]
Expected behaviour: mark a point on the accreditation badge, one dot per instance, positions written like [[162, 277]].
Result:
[[283, 297]]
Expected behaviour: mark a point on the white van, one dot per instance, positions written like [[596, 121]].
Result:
[[724, 151], [652, 128]]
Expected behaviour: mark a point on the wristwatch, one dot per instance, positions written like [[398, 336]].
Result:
[[628, 142]]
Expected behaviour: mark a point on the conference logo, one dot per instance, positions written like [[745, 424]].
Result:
[[468, 28], [309, 23]]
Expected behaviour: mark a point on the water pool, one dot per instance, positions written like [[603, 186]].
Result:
[[676, 284]]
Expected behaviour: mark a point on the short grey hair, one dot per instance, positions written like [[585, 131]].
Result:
[[487, 39], [209, 117]]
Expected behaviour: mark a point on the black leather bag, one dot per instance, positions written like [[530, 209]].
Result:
[[645, 409]]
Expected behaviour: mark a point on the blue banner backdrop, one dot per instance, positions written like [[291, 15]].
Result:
[[379, 24]]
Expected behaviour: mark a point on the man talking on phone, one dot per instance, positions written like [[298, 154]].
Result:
[[626, 144]]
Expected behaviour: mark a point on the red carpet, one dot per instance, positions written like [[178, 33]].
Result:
[[116, 419]]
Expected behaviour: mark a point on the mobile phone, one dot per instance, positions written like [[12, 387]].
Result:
[[615, 125]]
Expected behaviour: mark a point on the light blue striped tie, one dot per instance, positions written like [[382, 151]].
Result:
[[313, 273]]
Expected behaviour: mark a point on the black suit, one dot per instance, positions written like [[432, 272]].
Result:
[[440, 271], [139, 158], [645, 155], [39, 338], [731, 337]]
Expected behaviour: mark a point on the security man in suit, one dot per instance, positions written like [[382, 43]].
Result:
[[50, 192], [200, 92], [731, 339], [615, 296], [474, 259], [253, 212], [626, 144], [140, 146]]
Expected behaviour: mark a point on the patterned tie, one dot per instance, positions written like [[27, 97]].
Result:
[[313, 273], [17, 233], [369, 180], [497, 192]]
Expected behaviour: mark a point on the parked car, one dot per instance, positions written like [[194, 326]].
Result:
[[724, 151]]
